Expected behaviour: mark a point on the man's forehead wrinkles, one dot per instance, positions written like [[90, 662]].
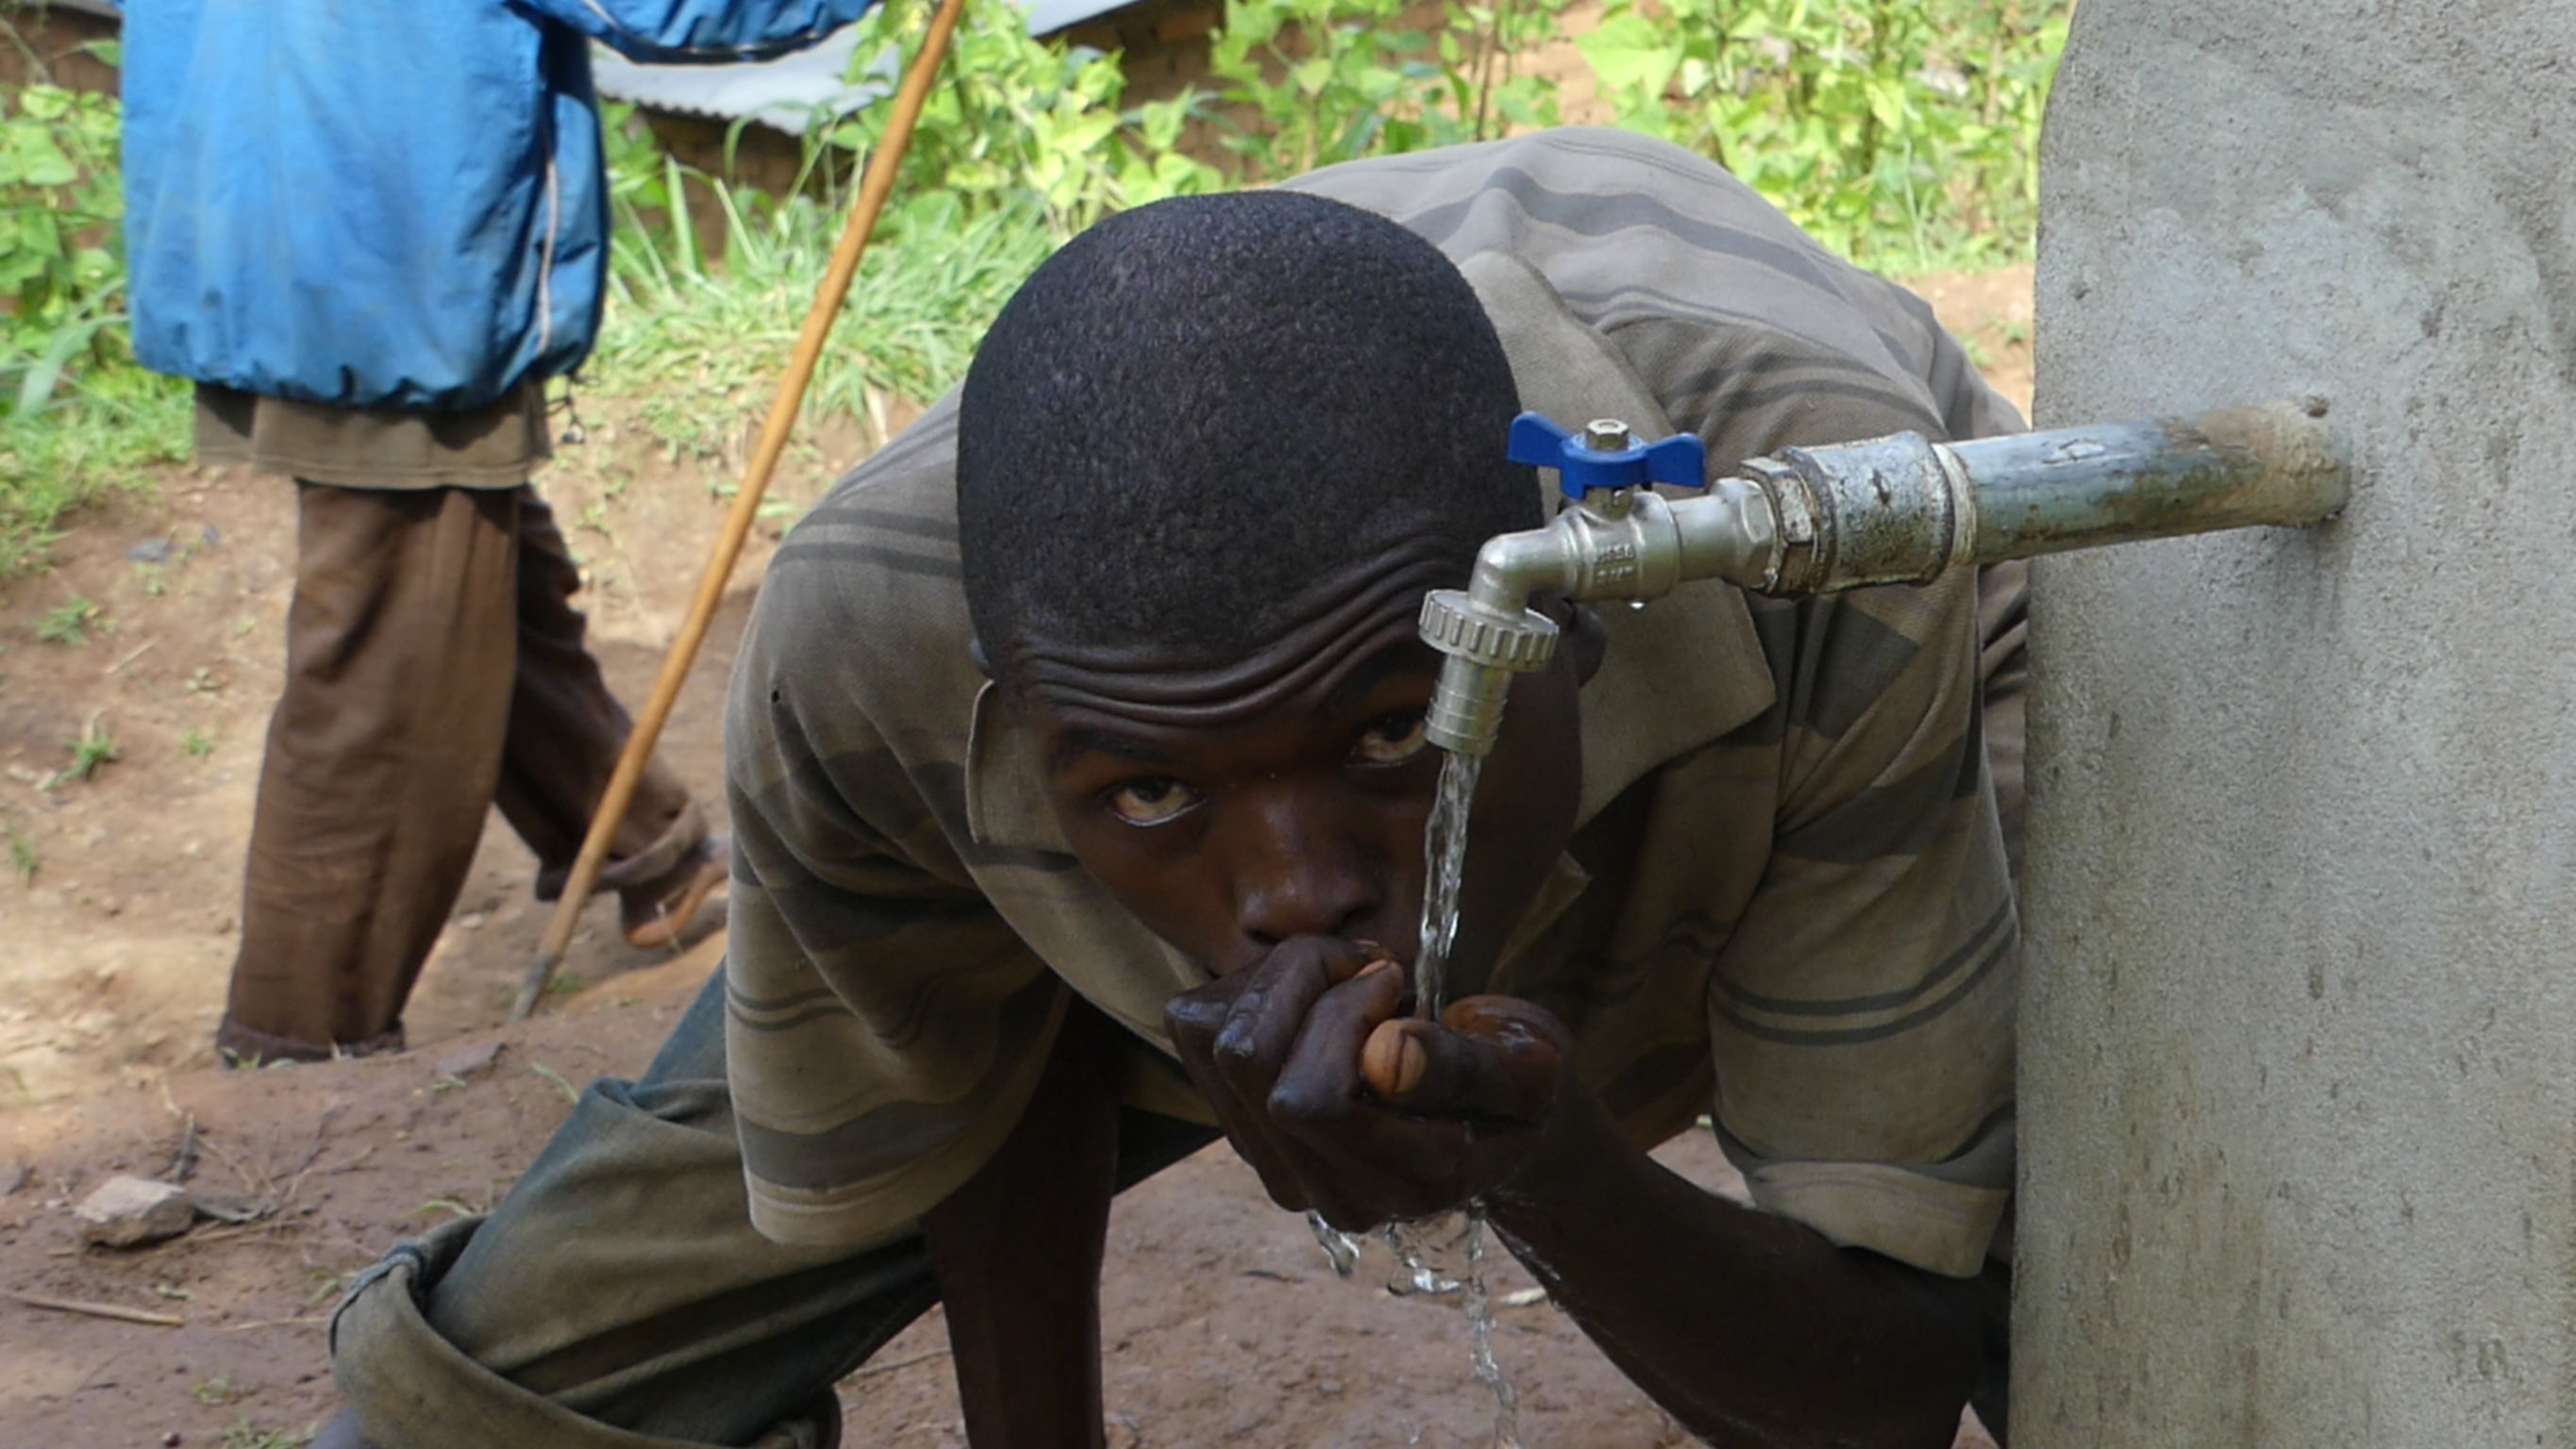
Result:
[[1360, 659], [1346, 618]]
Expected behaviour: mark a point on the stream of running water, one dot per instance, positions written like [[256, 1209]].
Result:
[[1444, 866], [1444, 847]]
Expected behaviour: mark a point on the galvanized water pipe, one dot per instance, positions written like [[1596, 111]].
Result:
[[1904, 510], [1895, 510]]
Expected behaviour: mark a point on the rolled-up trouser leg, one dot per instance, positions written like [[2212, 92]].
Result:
[[619, 1298]]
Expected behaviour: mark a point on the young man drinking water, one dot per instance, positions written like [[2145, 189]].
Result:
[[1076, 762]]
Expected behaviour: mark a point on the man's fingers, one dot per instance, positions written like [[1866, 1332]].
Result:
[[1232, 1034], [1394, 1059], [1321, 1078], [1489, 1057], [1263, 1023], [1194, 1018]]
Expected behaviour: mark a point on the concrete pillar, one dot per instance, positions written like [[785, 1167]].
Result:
[[2299, 1044]]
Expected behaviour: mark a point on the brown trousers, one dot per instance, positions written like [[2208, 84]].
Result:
[[435, 667]]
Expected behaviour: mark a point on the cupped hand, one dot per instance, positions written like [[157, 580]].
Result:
[[1346, 1106]]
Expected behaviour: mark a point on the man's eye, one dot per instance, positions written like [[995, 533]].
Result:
[[1152, 801], [1391, 739]]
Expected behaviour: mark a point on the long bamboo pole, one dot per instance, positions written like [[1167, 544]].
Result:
[[873, 189]]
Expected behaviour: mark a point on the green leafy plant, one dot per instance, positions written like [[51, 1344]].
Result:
[[1902, 133], [1326, 81], [94, 747], [196, 744], [23, 859], [1022, 144], [1306, 83], [77, 416], [67, 622], [61, 268], [1480, 51], [1019, 122]]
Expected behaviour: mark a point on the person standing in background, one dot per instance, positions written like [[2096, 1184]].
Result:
[[369, 234]]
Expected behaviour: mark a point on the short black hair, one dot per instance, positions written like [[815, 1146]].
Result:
[[1201, 406]]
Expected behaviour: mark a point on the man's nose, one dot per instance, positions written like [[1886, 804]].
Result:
[[1298, 871]]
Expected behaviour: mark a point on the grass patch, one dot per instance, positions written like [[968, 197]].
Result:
[[699, 345], [93, 441], [68, 622], [94, 747], [78, 419], [246, 1435], [23, 859]]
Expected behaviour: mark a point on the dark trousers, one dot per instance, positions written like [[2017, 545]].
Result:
[[618, 1298], [435, 667]]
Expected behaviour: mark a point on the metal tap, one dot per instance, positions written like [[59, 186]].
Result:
[[1894, 510]]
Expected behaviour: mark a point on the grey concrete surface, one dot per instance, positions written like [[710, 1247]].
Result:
[[2299, 1039]]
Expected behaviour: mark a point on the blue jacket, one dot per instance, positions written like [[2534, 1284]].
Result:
[[387, 203]]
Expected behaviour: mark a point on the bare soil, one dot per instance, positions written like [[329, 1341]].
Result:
[[1222, 1320]]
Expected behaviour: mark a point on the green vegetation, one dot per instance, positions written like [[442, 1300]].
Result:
[[243, 1434], [77, 418], [1901, 132], [23, 859], [67, 622], [94, 747], [1334, 80], [1021, 146]]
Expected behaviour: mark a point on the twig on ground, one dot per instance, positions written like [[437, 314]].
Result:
[[95, 1310], [871, 1370], [261, 1185], [140, 650], [90, 1379], [571, 1093], [304, 1322], [183, 1161], [183, 1158]]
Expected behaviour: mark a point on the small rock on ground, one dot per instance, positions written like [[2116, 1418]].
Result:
[[467, 1061], [126, 1212]]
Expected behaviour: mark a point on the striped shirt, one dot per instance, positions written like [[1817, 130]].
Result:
[[1786, 904]]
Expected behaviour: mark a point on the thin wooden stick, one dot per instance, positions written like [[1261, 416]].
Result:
[[96, 1310], [873, 190], [871, 1370]]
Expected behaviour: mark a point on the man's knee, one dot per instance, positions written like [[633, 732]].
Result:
[[408, 1387]]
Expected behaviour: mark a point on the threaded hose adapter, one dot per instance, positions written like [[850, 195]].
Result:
[[1486, 647]]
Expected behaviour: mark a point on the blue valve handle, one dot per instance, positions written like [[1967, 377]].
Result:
[[1681, 460]]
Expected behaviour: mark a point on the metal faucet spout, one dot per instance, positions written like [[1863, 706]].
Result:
[[1900, 509]]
